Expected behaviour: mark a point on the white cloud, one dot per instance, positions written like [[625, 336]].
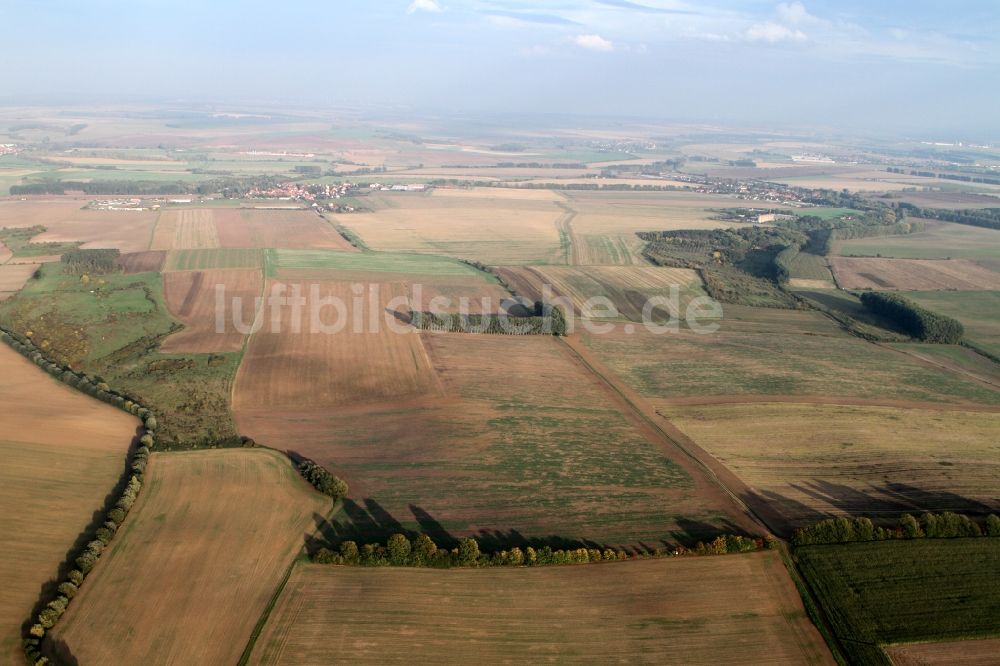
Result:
[[424, 6], [773, 33], [793, 13], [593, 42]]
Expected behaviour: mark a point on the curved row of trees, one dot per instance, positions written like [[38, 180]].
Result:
[[945, 525], [912, 319], [401, 551], [113, 518]]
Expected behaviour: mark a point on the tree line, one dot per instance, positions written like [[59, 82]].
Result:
[[401, 551], [945, 525], [111, 521], [912, 319], [547, 320], [988, 218]]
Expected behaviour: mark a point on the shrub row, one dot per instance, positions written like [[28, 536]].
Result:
[[913, 319], [87, 558], [423, 552], [930, 525], [322, 480]]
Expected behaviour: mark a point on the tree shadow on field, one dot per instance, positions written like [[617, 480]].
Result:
[[59, 652], [370, 522], [883, 504], [690, 532]]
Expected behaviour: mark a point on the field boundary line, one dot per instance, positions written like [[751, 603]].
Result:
[[843, 401], [279, 589], [673, 439]]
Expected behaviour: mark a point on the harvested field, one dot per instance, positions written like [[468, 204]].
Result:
[[916, 274], [763, 351], [627, 287], [525, 445], [496, 194], [185, 229], [67, 221], [195, 260], [939, 240], [953, 653], [811, 461], [949, 199], [649, 612], [13, 277], [143, 262], [305, 368], [499, 229], [62, 453], [482, 296], [247, 228], [799, 283], [209, 541], [191, 298]]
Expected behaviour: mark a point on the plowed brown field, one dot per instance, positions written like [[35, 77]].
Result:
[[653, 612], [292, 229], [191, 298], [288, 369]]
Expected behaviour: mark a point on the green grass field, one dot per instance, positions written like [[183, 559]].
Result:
[[370, 262], [806, 266], [776, 352], [186, 260], [110, 327], [979, 312], [827, 212], [940, 240], [906, 591], [18, 241]]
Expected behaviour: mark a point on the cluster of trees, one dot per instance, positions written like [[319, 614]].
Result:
[[91, 261], [945, 525], [985, 217], [423, 552], [113, 518], [547, 320], [322, 480], [913, 319]]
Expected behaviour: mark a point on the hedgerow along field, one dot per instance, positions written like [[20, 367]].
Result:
[[808, 461], [888, 592], [519, 444], [656, 611], [62, 452], [110, 325], [195, 563]]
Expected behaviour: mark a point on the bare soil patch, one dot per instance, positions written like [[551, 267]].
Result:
[[665, 611], [191, 298]]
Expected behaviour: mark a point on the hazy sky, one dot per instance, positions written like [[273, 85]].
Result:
[[859, 64]]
